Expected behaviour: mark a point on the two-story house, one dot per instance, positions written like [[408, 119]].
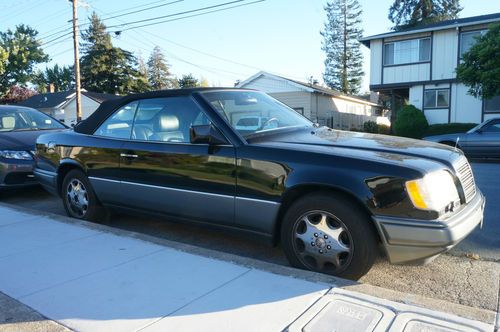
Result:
[[417, 66]]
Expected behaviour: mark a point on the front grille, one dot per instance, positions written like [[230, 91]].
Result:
[[464, 173]]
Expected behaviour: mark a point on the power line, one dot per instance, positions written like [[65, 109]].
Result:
[[57, 38], [140, 10], [177, 14], [170, 15], [62, 52], [189, 16], [112, 17], [199, 51]]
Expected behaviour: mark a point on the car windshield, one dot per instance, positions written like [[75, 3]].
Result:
[[475, 128], [251, 112], [19, 119]]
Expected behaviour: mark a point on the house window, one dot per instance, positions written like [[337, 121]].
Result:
[[407, 51], [492, 105], [439, 98], [467, 39], [299, 110]]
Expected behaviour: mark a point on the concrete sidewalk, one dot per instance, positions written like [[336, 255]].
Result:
[[90, 277]]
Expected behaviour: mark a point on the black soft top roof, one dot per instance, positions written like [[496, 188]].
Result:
[[89, 125]]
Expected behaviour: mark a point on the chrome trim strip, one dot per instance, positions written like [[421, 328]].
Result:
[[256, 200], [185, 190], [102, 179], [44, 173]]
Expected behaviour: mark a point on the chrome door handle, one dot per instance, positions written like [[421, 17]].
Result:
[[126, 155]]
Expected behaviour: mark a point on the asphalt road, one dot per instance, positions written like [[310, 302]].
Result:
[[486, 241], [454, 276]]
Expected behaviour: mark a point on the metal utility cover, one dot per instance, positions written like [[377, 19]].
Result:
[[341, 315]]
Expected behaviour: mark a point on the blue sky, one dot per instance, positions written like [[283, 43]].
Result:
[[278, 36]]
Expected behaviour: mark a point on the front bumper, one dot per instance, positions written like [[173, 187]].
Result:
[[47, 179], [16, 173], [413, 241]]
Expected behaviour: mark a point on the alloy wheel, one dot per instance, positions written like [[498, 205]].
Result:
[[322, 242], [77, 197]]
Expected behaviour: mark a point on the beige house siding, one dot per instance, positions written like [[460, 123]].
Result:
[[295, 100]]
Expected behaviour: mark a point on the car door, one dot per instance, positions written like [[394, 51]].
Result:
[[485, 142], [161, 171], [100, 153]]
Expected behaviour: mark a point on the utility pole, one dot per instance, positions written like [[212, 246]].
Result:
[[77, 62]]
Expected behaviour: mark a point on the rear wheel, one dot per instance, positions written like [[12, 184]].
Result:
[[328, 233], [79, 198]]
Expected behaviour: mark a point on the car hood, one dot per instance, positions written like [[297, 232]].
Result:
[[359, 144], [22, 140], [445, 137]]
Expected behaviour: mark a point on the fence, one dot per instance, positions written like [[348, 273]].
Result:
[[348, 121]]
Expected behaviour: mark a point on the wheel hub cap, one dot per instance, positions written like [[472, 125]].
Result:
[[77, 197], [322, 241]]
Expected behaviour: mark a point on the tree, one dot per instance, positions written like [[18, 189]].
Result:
[[159, 75], [188, 81], [20, 52], [480, 68], [409, 13], [204, 82], [63, 79], [142, 83], [16, 94], [344, 61], [105, 68]]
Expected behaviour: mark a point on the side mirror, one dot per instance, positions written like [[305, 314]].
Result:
[[479, 131], [206, 134]]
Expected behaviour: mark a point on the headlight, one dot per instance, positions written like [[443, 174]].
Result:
[[436, 191], [23, 155]]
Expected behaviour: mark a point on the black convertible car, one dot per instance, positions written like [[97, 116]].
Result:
[[241, 160]]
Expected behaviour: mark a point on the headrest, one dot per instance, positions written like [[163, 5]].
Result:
[[8, 122], [166, 122]]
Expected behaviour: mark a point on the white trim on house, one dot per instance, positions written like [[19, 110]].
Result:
[[276, 77], [455, 25], [409, 81]]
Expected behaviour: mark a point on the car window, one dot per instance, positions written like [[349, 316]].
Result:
[[119, 125], [26, 119], [250, 112], [493, 127], [167, 119]]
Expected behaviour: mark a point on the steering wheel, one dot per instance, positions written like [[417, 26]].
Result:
[[269, 121]]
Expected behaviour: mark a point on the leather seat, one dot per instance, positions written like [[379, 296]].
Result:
[[142, 133], [166, 129]]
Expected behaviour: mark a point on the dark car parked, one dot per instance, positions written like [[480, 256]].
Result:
[[482, 141], [19, 129], [331, 197]]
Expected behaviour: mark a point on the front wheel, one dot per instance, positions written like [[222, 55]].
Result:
[[79, 198], [328, 233]]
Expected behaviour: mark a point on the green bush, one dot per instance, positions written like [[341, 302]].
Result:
[[410, 122], [449, 128], [370, 127]]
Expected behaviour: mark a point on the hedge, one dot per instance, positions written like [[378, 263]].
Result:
[[449, 128], [410, 122]]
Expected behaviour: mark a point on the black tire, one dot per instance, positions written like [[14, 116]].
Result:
[[87, 205], [346, 248]]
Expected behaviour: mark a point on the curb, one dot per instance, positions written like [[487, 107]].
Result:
[[481, 315]]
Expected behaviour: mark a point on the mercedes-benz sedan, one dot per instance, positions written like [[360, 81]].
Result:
[[330, 197]]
